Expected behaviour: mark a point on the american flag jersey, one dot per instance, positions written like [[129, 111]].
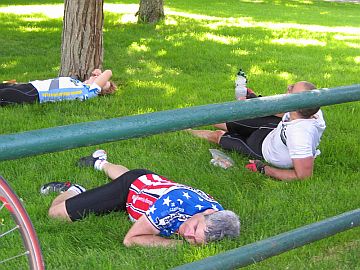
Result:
[[166, 204]]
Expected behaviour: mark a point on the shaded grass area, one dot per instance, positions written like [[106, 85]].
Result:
[[181, 62]]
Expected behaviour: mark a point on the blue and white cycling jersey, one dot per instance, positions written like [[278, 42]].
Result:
[[64, 88]]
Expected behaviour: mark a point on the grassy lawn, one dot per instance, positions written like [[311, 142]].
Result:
[[191, 59]]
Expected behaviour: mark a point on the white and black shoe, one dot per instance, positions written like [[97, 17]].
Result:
[[89, 161], [57, 187]]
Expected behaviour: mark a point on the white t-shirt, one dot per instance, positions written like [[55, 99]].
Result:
[[293, 139]]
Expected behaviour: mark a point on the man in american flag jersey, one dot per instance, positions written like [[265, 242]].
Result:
[[158, 207]]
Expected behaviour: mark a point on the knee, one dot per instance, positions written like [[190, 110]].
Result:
[[217, 134], [58, 211]]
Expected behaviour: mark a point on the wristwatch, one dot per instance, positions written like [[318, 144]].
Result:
[[262, 169]]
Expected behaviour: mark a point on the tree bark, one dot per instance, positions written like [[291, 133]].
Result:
[[151, 11], [82, 38]]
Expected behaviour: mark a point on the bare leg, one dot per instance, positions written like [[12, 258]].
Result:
[[211, 136], [58, 209], [221, 126], [113, 171]]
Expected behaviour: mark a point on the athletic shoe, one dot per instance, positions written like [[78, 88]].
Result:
[[89, 161], [58, 187]]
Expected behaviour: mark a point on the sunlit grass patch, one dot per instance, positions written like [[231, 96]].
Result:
[[190, 59]]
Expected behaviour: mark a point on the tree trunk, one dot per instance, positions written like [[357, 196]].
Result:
[[151, 11], [82, 38]]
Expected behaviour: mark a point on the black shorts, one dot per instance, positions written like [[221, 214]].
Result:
[[246, 136], [104, 199], [17, 93]]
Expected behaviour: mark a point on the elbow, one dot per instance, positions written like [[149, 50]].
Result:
[[58, 212], [127, 241], [108, 72], [52, 213], [303, 176]]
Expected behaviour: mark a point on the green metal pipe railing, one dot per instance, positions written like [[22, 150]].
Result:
[[273, 246], [60, 138]]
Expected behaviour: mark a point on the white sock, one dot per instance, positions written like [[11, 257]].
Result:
[[77, 188], [99, 164]]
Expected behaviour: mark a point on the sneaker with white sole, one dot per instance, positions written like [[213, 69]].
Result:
[[60, 187], [89, 161], [57, 187]]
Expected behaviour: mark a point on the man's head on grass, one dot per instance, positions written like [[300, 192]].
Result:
[[301, 87], [209, 226]]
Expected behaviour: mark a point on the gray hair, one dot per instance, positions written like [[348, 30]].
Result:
[[221, 224]]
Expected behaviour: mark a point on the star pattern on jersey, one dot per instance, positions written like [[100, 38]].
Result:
[[152, 209], [213, 206], [199, 206], [186, 195], [177, 206], [167, 201], [180, 201]]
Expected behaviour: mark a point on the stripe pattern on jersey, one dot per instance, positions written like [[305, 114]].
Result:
[[144, 192], [166, 204]]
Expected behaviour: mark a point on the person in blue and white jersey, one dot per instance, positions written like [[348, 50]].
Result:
[[158, 207], [57, 89]]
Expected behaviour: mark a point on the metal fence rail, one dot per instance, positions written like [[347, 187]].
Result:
[[54, 139], [59, 138], [264, 249]]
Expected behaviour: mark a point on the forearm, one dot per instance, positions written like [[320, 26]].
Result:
[[151, 241], [103, 78], [279, 115], [283, 174]]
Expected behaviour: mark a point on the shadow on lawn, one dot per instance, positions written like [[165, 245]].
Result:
[[202, 59], [189, 62]]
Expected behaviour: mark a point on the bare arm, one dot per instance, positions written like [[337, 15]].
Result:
[[143, 233], [303, 168], [103, 78]]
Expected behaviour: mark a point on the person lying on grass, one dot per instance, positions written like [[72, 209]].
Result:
[[158, 206], [57, 89], [287, 141]]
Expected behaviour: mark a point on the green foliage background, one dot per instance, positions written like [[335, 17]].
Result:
[[191, 59]]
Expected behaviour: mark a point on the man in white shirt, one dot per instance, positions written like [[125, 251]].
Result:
[[288, 143]]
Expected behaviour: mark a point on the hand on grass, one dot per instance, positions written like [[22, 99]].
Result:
[[256, 166]]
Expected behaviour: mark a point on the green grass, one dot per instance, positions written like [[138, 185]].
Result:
[[182, 62]]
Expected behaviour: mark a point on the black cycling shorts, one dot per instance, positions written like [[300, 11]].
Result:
[[104, 199], [17, 93], [246, 136]]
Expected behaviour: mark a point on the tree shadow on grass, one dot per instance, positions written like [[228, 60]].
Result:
[[183, 61]]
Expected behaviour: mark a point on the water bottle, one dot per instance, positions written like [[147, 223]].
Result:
[[240, 85]]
